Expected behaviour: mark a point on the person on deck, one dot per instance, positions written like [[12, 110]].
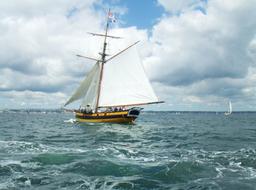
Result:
[[88, 109], [109, 109]]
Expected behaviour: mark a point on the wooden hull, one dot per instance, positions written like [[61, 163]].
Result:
[[115, 120], [127, 116]]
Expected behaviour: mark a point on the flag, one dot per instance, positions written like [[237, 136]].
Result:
[[111, 17]]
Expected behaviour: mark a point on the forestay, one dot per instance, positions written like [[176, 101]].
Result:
[[124, 81]]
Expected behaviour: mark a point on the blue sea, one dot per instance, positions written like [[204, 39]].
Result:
[[162, 150]]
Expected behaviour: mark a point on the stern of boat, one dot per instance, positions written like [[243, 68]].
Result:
[[134, 112]]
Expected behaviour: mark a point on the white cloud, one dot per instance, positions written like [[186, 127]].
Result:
[[38, 48], [39, 41], [198, 54], [32, 99], [205, 56], [32, 8], [178, 6]]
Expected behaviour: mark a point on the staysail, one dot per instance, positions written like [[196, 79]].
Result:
[[88, 88], [124, 81]]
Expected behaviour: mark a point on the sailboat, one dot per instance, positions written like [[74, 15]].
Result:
[[114, 88], [229, 110]]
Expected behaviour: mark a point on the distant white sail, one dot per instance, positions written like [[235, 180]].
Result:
[[88, 88], [229, 110], [124, 81], [230, 107]]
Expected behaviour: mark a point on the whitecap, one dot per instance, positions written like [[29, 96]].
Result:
[[27, 182], [22, 147], [7, 185], [107, 183], [219, 170], [70, 121], [29, 165]]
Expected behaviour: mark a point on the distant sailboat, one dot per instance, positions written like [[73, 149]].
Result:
[[113, 87], [230, 109]]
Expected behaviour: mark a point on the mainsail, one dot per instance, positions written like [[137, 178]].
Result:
[[124, 81]]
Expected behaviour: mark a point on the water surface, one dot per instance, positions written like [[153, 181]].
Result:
[[163, 150]]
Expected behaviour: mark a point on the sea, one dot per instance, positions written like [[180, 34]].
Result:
[[46, 149]]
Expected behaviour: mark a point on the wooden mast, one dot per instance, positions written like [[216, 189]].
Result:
[[103, 58]]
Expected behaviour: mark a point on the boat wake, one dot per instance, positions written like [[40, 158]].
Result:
[[70, 121]]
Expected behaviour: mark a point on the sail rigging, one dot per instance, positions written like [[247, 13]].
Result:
[[117, 81]]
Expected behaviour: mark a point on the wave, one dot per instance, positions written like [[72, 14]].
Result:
[[23, 147], [70, 121]]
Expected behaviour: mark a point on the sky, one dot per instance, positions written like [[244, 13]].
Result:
[[198, 54]]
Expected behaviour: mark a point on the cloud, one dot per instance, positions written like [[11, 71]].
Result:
[[32, 99], [31, 8], [39, 43], [179, 6], [205, 54], [200, 53], [194, 46]]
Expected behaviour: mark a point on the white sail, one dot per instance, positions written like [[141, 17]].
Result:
[[230, 107], [88, 88], [124, 81]]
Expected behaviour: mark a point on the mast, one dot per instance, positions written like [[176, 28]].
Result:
[[94, 93], [103, 58]]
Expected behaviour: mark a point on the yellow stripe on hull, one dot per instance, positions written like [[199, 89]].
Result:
[[109, 120]]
